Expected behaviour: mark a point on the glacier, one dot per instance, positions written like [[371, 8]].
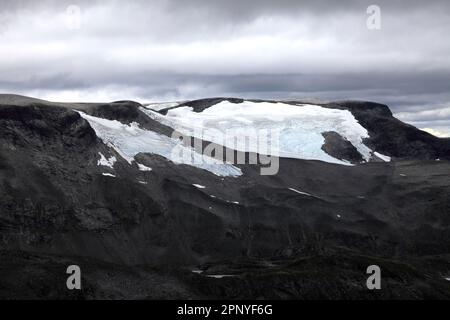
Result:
[[290, 131]]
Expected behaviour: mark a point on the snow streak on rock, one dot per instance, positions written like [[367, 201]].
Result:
[[382, 156]]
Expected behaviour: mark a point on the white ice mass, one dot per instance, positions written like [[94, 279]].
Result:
[[129, 140], [278, 129]]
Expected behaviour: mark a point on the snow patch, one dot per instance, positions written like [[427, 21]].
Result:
[[197, 271], [219, 276], [142, 182], [108, 175], [216, 276], [382, 156], [106, 162], [143, 168], [199, 186], [129, 140]]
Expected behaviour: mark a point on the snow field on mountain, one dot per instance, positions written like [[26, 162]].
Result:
[[129, 140], [276, 129]]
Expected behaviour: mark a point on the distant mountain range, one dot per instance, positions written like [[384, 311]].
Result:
[[125, 191]]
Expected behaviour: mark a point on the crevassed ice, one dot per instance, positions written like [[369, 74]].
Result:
[[291, 131], [129, 140]]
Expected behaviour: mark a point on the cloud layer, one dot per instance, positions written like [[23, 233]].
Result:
[[173, 50]]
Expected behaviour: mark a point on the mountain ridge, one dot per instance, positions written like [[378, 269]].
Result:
[[310, 230]]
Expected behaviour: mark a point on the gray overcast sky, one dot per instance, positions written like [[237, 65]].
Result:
[[174, 50]]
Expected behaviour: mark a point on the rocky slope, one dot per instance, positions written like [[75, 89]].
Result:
[[76, 190]]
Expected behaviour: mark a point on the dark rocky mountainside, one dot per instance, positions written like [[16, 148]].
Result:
[[308, 232], [392, 136]]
